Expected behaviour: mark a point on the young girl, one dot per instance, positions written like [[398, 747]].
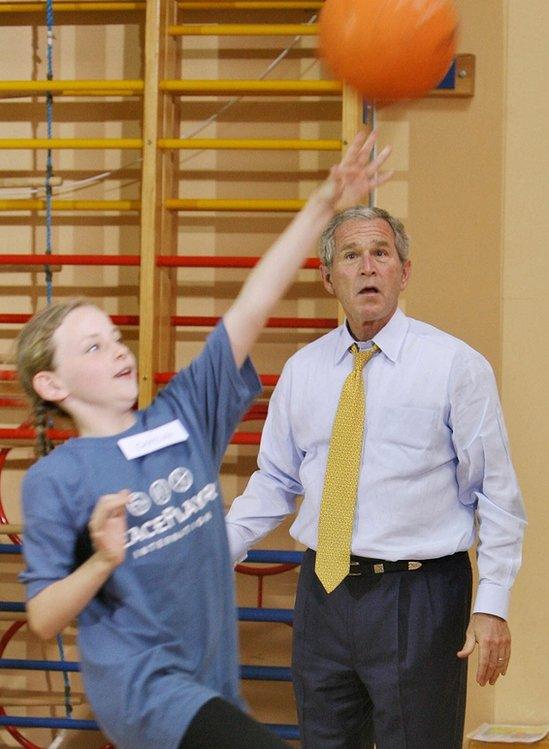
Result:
[[124, 525]]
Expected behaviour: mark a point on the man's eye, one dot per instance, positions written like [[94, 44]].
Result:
[[93, 347], [350, 255]]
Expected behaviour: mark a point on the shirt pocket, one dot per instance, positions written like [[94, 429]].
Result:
[[407, 426]]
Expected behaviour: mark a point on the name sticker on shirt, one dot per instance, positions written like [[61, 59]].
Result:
[[153, 439]]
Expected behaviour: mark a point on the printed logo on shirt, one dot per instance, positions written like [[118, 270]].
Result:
[[170, 518], [180, 480]]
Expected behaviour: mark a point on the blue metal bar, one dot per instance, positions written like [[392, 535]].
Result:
[[10, 548], [28, 664], [283, 730], [268, 556], [256, 673], [246, 614], [275, 556], [11, 606], [266, 673]]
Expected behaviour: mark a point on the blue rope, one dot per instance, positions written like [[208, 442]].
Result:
[[49, 165], [47, 268]]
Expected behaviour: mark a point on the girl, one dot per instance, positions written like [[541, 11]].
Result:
[[124, 525]]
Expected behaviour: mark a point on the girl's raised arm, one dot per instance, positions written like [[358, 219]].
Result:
[[347, 184]]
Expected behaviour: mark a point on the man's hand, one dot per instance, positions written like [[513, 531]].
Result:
[[494, 642]]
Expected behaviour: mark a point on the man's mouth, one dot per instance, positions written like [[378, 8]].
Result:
[[369, 290]]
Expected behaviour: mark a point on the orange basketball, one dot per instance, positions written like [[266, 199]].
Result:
[[389, 49]]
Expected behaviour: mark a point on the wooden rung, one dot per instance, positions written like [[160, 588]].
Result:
[[28, 268], [29, 181], [10, 529], [39, 204], [252, 87], [180, 204], [250, 5], [72, 143], [45, 701], [73, 88], [13, 616], [70, 7], [244, 29], [250, 144]]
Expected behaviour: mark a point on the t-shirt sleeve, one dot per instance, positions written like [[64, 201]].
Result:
[[216, 389], [49, 538]]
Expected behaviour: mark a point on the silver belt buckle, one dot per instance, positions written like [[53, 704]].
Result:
[[414, 565], [379, 568]]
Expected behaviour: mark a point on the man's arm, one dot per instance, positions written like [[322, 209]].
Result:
[[348, 183], [272, 490], [486, 478]]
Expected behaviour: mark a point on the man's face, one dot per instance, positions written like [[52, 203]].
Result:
[[366, 275]]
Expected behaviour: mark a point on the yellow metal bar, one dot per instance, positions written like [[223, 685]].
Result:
[[44, 701], [70, 205], [12, 616], [249, 144], [244, 29], [180, 204], [73, 88], [284, 88], [10, 529], [30, 181], [250, 5], [72, 143], [70, 7]]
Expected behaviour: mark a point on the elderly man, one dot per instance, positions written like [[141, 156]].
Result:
[[392, 432]]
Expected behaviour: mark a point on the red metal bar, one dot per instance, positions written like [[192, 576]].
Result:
[[210, 261], [162, 261], [15, 317], [12, 318], [161, 378], [59, 435], [52, 259], [272, 322]]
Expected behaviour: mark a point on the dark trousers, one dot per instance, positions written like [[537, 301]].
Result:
[[220, 725], [376, 659]]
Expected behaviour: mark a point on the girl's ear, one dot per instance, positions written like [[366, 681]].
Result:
[[49, 387]]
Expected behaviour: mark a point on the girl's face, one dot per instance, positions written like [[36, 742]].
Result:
[[94, 369]]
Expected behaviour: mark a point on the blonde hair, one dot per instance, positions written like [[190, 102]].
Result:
[[35, 352]]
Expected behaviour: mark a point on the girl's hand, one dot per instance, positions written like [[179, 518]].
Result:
[[350, 182], [108, 525]]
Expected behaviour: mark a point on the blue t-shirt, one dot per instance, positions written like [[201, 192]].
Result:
[[159, 639]]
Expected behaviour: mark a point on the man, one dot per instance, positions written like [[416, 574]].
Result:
[[380, 649]]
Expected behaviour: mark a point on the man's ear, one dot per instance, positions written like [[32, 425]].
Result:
[[49, 387], [326, 274]]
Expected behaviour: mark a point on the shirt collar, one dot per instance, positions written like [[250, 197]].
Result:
[[389, 339]]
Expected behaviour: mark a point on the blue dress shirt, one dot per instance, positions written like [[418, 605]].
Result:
[[436, 470]]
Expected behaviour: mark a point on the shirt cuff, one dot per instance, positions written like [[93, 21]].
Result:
[[238, 548], [492, 599]]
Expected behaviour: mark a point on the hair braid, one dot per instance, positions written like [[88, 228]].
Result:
[[42, 413]]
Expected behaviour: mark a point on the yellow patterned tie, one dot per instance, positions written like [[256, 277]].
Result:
[[337, 511]]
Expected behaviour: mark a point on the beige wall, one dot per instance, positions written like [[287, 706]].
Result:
[[523, 696], [471, 177]]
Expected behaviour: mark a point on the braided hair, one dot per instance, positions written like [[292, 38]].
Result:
[[35, 352]]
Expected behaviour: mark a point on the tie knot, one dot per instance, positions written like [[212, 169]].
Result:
[[362, 357]]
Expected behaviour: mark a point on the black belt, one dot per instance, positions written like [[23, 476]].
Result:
[[368, 566]]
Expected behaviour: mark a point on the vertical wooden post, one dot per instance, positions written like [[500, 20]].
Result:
[[158, 225]]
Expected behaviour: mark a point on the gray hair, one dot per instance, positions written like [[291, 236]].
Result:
[[327, 242]]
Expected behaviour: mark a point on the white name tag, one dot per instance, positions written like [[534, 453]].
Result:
[[153, 439]]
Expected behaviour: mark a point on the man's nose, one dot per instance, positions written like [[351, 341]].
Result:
[[366, 264]]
